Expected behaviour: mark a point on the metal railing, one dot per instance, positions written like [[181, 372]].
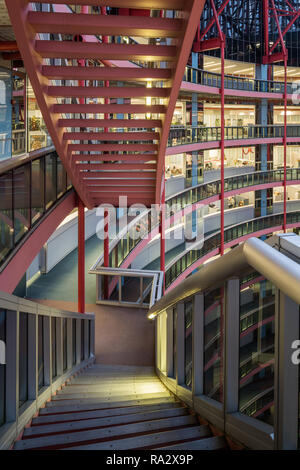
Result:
[[129, 238], [243, 381], [194, 135], [30, 186], [203, 77], [44, 347], [182, 262]]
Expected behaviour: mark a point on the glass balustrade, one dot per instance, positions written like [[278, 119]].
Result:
[[27, 192], [194, 135], [232, 233], [202, 77]]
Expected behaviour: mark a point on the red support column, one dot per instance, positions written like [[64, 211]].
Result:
[[81, 257], [285, 144], [222, 144]]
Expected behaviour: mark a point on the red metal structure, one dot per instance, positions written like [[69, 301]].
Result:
[[134, 159]]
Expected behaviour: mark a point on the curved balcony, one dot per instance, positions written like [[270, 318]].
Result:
[[191, 139], [190, 260], [127, 246], [209, 82], [30, 188]]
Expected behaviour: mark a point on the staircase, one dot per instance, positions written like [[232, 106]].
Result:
[[117, 408], [108, 117]]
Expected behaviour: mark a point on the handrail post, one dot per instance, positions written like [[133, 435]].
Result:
[[286, 373], [32, 357], [12, 366]]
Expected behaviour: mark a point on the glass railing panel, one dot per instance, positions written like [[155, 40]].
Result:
[[213, 345], [188, 343], [2, 368], [65, 344], [41, 381], [51, 173], [82, 340], [257, 340], [37, 189], [74, 344], [21, 201], [53, 347], [23, 358], [6, 215]]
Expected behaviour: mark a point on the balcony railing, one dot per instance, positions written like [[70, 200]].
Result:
[[29, 187], [213, 242], [240, 379], [202, 77], [194, 135], [43, 347], [129, 239]]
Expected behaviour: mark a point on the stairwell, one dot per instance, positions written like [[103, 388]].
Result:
[[117, 408]]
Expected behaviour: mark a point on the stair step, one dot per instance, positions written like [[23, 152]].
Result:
[[112, 147], [107, 108], [101, 422], [140, 4], [96, 405], [111, 123], [70, 399], [101, 167], [116, 388], [108, 92], [101, 51], [63, 440], [56, 72], [94, 414], [110, 157], [150, 440], [112, 136], [211, 443], [110, 25]]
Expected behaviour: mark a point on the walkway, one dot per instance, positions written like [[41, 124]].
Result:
[[117, 408]]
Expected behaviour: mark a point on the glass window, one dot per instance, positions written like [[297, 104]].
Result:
[[18, 116], [257, 336], [21, 195], [23, 358], [38, 136], [2, 366], [5, 114], [37, 189], [82, 340], [213, 344], [188, 343]]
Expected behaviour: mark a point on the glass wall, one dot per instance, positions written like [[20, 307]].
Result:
[[23, 358], [188, 342], [213, 344], [41, 381], [257, 336], [2, 366], [26, 192], [18, 113]]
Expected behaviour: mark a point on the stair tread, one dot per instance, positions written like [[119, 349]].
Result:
[[104, 433], [210, 443], [94, 414], [150, 440], [101, 422], [94, 404]]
